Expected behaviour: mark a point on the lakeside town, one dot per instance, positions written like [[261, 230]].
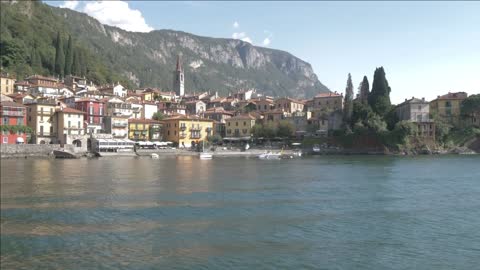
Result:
[[41, 110]]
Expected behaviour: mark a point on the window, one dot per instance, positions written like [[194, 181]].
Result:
[[228, 123], [69, 124], [244, 123], [5, 120], [168, 132], [236, 124], [20, 121], [5, 139], [41, 130]]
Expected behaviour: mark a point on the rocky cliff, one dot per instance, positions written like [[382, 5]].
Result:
[[148, 59]]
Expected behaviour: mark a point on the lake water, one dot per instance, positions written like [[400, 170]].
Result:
[[357, 212]]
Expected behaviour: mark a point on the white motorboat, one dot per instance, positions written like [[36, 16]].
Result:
[[155, 156], [270, 155], [316, 148], [206, 155]]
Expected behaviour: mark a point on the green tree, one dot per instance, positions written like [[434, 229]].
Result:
[[470, 105], [35, 59], [59, 56], [361, 112], [158, 116], [348, 102], [379, 98], [69, 57], [76, 64], [364, 90], [285, 129]]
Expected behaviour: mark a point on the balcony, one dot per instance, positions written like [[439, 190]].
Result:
[[13, 113], [182, 128], [195, 128], [182, 135], [194, 136], [119, 125]]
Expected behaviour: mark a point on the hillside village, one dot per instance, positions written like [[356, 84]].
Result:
[[48, 110]]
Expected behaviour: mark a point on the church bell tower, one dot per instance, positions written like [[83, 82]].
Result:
[[178, 78]]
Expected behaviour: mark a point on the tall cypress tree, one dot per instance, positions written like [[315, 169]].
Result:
[[364, 90], [348, 102], [59, 56], [69, 57], [36, 61], [76, 64], [379, 98]]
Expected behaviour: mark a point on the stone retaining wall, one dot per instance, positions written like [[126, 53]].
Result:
[[31, 150]]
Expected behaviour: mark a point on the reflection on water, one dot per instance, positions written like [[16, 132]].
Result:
[[186, 213]]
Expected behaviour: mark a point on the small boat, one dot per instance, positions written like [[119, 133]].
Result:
[[316, 148], [205, 155], [270, 155], [155, 156]]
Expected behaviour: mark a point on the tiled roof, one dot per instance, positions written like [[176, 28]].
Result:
[[187, 117], [457, 95], [11, 104], [243, 117], [144, 121], [322, 95]]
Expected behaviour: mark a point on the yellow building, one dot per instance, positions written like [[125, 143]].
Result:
[[240, 126], [39, 119], [187, 130], [447, 107], [7, 84], [144, 129]]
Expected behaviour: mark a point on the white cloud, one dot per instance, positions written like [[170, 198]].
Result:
[[72, 4], [242, 36], [239, 35], [236, 25], [247, 39], [119, 14], [268, 39], [266, 42]]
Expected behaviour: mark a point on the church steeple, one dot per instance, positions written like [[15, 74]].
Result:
[[179, 63], [178, 78]]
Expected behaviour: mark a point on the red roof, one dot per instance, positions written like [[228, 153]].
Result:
[[187, 117], [457, 95]]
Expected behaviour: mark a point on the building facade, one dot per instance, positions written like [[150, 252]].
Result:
[[39, 119], [187, 130], [240, 126], [7, 84], [94, 110], [67, 125], [14, 119], [447, 107]]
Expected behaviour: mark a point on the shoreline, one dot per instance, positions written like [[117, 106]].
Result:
[[238, 153]]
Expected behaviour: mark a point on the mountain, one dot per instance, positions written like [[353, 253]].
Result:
[[148, 59]]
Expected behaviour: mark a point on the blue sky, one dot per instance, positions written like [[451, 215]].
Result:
[[426, 48]]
